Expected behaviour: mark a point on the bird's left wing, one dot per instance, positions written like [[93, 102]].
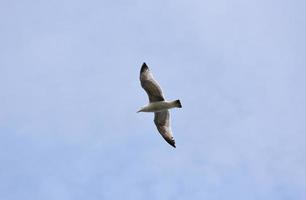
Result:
[[150, 85]]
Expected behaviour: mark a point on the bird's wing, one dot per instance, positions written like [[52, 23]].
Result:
[[150, 85], [162, 122]]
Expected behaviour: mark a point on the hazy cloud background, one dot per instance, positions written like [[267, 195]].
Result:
[[69, 92]]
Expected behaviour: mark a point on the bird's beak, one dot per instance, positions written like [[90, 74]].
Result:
[[141, 109]]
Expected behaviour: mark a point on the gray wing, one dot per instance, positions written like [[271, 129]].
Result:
[[150, 85], [162, 122]]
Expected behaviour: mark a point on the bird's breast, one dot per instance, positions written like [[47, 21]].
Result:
[[158, 106]]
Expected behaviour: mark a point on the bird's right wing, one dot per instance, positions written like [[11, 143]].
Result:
[[162, 122], [150, 85]]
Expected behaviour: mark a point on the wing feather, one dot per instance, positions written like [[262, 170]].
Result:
[[162, 122], [150, 85]]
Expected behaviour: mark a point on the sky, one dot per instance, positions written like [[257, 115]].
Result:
[[69, 92]]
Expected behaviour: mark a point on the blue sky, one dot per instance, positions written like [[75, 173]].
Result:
[[70, 91]]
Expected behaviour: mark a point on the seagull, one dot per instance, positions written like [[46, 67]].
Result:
[[157, 104]]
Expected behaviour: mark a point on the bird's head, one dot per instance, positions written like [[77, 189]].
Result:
[[140, 110]]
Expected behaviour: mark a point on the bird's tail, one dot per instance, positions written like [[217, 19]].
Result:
[[178, 103]]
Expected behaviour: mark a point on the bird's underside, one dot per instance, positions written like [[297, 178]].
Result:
[[159, 106], [156, 98]]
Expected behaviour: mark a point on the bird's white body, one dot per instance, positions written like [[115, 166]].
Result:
[[159, 106]]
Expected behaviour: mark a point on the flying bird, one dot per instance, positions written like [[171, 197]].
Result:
[[158, 104]]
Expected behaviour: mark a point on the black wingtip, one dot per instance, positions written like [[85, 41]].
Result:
[[172, 142], [144, 67]]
